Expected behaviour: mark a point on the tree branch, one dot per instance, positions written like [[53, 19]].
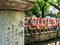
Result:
[[54, 5]]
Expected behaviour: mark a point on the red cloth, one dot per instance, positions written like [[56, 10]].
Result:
[[26, 26], [26, 23], [55, 24], [40, 25], [37, 27]]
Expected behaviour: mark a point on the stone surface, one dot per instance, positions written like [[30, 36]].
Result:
[[42, 37], [11, 29], [12, 21], [21, 5]]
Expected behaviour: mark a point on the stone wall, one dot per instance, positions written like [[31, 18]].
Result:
[[40, 37]]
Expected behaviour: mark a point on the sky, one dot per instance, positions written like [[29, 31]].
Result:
[[54, 10]]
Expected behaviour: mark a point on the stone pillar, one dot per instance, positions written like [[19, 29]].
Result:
[[11, 27], [12, 22]]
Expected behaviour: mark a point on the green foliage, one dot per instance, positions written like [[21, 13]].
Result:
[[34, 11], [58, 15], [45, 0], [54, 3], [40, 5]]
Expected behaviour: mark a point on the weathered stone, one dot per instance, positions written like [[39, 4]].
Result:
[[16, 5], [11, 16], [59, 33], [43, 37], [9, 22]]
